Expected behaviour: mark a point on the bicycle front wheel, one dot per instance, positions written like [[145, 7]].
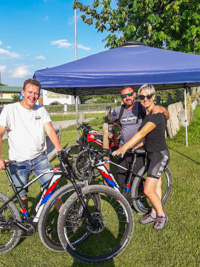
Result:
[[109, 225], [140, 202], [9, 234]]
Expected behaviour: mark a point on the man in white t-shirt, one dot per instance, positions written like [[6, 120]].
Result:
[[26, 124]]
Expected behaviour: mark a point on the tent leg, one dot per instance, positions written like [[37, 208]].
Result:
[[76, 105], [186, 120]]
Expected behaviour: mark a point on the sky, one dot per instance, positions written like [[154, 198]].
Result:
[[36, 34]]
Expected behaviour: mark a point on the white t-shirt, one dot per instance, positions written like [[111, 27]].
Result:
[[25, 129]]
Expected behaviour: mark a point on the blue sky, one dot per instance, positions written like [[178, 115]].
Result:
[[35, 34]]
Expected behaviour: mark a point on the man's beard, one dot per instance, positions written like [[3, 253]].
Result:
[[129, 104]]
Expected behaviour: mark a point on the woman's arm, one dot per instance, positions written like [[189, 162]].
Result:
[[139, 144], [147, 128]]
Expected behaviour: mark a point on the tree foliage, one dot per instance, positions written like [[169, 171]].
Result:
[[174, 25], [108, 98], [15, 98]]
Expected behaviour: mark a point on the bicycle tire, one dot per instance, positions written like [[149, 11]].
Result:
[[47, 225], [82, 163], [143, 205], [114, 229], [9, 238]]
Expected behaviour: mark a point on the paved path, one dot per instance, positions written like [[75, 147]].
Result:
[[58, 124]]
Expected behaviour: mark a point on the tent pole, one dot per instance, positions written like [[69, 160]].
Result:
[[186, 120], [76, 106]]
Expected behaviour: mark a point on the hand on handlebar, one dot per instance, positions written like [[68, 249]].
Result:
[[2, 164], [119, 152]]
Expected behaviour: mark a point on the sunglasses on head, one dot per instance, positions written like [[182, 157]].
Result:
[[125, 95], [142, 97]]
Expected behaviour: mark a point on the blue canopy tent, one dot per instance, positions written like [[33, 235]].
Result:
[[131, 64]]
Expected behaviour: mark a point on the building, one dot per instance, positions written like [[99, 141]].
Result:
[[7, 92], [50, 98], [46, 98]]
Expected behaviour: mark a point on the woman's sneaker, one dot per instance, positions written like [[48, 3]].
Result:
[[160, 222], [147, 219]]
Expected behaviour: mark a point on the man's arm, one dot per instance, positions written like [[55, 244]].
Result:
[[52, 135], [115, 123], [160, 109], [2, 131]]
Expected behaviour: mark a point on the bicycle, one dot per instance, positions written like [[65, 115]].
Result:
[[89, 215], [97, 206], [89, 136], [135, 182], [13, 224]]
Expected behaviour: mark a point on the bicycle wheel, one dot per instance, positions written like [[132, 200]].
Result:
[[82, 163], [73, 150], [9, 237], [140, 202], [108, 235], [47, 225]]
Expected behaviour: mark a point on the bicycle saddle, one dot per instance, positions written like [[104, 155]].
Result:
[[140, 150]]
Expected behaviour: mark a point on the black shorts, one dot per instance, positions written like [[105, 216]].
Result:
[[157, 161]]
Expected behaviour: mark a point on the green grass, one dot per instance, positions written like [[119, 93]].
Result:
[[178, 244], [65, 117]]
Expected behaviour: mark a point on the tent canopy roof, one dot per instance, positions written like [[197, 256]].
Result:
[[133, 64]]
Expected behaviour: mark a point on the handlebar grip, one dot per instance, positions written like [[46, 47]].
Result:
[[9, 162]]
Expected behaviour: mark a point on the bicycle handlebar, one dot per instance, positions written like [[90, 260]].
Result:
[[100, 154]]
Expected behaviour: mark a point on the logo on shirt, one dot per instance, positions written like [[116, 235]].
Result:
[[125, 119], [37, 117]]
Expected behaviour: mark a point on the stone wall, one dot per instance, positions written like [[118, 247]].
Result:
[[177, 115]]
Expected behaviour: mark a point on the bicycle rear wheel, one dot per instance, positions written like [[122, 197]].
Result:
[[9, 234], [110, 233], [47, 225], [82, 163], [140, 202], [73, 150]]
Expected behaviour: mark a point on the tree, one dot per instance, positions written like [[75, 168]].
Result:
[[173, 25], [15, 98]]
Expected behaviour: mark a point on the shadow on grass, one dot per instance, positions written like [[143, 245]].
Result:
[[196, 162], [109, 263]]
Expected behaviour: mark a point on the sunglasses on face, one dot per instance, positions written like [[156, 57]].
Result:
[[142, 97], [125, 95]]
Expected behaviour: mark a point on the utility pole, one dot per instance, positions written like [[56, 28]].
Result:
[[75, 32], [75, 47], [1, 91]]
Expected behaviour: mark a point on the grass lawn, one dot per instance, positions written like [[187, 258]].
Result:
[[178, 244]]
